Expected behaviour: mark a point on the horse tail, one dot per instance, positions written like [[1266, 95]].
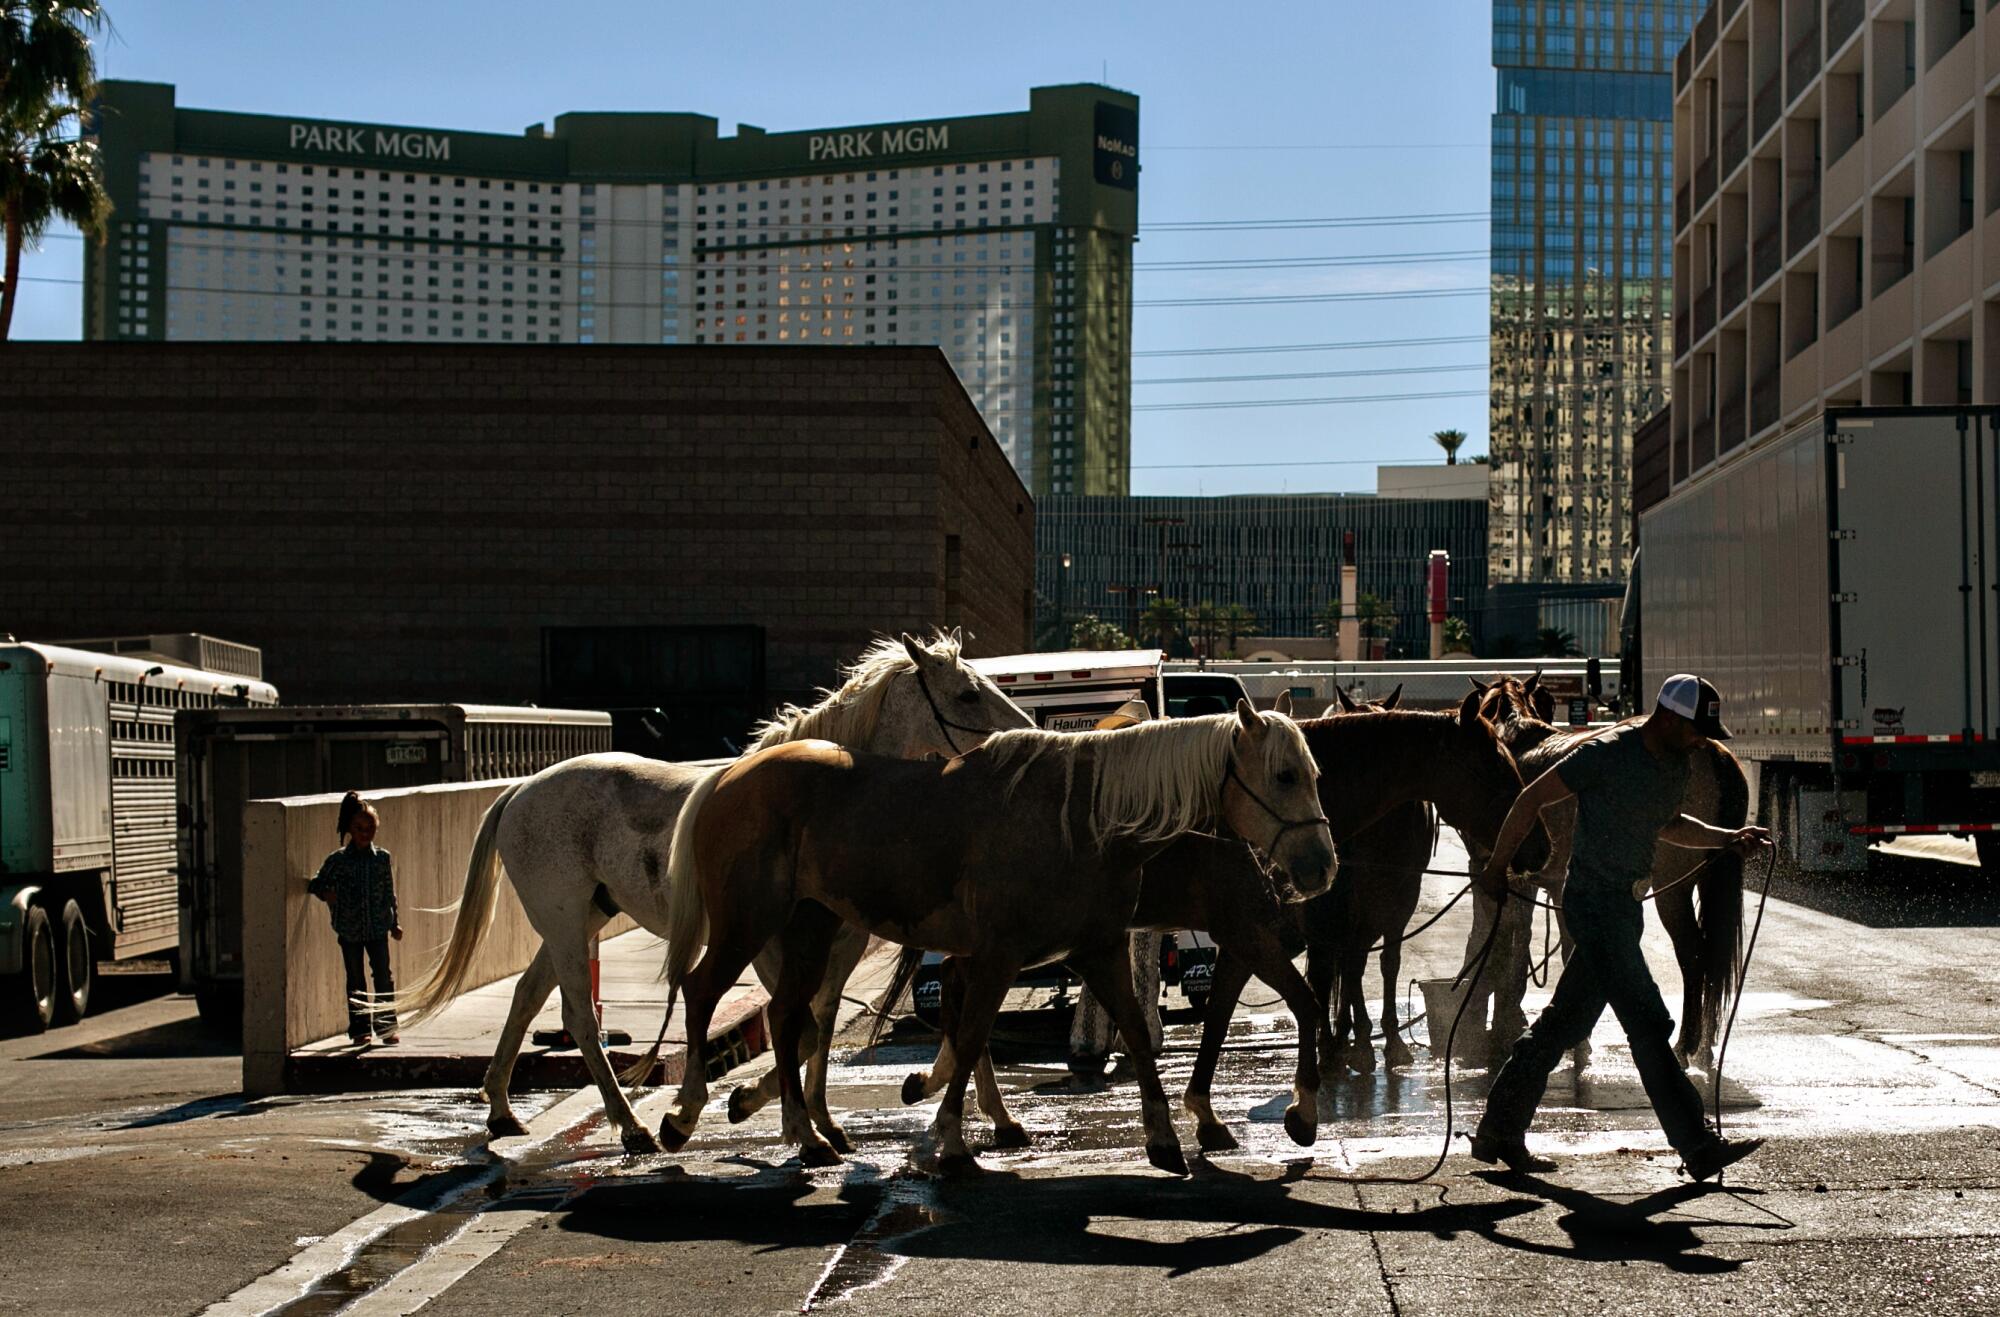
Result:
[[907, 965], [447, 977], [1720, 886], [687, 907]]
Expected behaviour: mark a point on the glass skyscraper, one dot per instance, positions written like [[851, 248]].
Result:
[[1581, 270]]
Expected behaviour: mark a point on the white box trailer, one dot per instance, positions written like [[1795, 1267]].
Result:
[[87, 856], [1838, 584]]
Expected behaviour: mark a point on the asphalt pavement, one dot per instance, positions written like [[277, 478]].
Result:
[[133, 1178]]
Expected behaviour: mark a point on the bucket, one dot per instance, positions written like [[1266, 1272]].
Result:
[[1441, 1006]]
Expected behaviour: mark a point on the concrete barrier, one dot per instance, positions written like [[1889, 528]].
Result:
[[294, 986]]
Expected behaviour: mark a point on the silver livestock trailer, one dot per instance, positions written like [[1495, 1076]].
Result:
[[229, 757], [87, 856]]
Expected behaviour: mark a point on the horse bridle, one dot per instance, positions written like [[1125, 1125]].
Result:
[[1285, 825], [945, 724]]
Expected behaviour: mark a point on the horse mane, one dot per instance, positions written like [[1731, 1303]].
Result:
[[847, 715], [1149, 782]]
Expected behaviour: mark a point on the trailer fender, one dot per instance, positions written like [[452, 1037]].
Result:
[[14, 903]]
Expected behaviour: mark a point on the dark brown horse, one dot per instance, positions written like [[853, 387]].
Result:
[[1704, 917], [1381, 880], [1371, 766], [1026, 850]]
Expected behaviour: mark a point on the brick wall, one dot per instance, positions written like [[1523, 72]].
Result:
[[399, 522]]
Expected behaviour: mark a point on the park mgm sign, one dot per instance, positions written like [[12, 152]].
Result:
[[1067, 397]]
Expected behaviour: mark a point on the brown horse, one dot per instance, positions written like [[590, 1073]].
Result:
[[1381, 881], [1708, 934], [1024, 851], [1372, 766]]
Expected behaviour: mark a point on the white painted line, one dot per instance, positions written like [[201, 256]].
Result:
[[448, 1263], [313, 1264]]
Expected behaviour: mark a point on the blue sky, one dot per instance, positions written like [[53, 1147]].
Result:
[[1333, 109]]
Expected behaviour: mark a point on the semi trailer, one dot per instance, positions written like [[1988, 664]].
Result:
[[87, 848], [1838, 584]]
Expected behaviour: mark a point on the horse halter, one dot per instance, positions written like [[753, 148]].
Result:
[[945, 724], [1285, 825]]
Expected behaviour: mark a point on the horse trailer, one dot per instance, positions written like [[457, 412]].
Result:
[[1840, 585], [229, 757], [87, 779]]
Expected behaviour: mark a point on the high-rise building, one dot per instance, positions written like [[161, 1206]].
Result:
[[1004, 240], [1582, 274], [1837, 206]]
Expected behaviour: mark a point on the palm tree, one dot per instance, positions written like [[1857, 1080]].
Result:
[[1457, 636], [1163, 619], [47, 172], [1237, 621], [1449, 440], [1092, 632], [1554, 642]]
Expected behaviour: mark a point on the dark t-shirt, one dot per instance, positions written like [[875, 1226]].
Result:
[[1624, 796]]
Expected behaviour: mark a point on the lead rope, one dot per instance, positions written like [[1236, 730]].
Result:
[[1742, 976]]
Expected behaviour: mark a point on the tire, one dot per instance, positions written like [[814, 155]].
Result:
[[76, 965], [29, 1004], [1989, 853]]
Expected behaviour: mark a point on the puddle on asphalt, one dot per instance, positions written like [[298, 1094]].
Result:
[[864, 1262]]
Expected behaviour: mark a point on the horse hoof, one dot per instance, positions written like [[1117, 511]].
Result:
[[671, 1137], [1168, 1157], [913, 1088], [1009, 1136], [1397, 1057], [818, 1155], [1303, 1131], [1215, 1138], [740, 1109], [508, 1126], [959, 1163], [639, 1143], [1361, 1060]]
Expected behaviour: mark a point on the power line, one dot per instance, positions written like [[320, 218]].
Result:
[[490, 301], [1233, 466], [1302, 402], [1351, 344], [1339, 146], [534, 257], [1315, 375]]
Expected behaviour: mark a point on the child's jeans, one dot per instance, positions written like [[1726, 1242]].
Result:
[[359, 1017]]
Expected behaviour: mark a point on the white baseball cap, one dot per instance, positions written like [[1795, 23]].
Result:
[[1697, 701]]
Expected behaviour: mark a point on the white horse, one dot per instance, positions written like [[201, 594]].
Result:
[[590, 837]]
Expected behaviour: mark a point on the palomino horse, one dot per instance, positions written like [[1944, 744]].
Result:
[[589, 837], [1372, 766], [1024, 851], [1708, 936]]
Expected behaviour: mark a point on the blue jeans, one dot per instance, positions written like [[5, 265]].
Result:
[[359, 1018], [1608, 969]]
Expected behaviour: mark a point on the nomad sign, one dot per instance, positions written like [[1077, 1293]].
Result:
[[370, 141], [879, 141], [1115, 153]]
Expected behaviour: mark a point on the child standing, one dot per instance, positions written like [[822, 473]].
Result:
[[357, 882]]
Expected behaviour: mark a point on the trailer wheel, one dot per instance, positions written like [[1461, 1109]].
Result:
[[28, 999], [75, 965], [1989, 853]]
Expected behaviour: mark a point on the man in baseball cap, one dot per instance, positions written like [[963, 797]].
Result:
[[1697, 701], [1628, 784]]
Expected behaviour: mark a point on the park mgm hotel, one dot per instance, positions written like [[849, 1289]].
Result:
[[1005, 240]]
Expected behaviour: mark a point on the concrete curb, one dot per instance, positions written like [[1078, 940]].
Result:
[[739, 1032]]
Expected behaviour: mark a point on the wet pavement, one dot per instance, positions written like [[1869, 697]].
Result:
[[1867, 1051]]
